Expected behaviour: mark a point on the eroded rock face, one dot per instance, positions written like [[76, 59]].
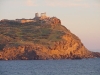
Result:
[[55, 20], [70, 48], [41, 43]]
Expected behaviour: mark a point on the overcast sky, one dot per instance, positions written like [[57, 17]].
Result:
[[81, 17]]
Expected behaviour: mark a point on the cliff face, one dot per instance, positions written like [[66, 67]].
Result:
[[40, 41]]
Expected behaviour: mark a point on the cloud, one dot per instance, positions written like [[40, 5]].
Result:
[[30, 3], [61, 3], [96, 5], [78, 0], [68, 3]]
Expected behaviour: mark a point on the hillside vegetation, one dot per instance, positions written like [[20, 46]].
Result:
[[28, 33]]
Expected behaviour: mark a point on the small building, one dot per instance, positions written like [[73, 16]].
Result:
[[4, 20], [43, 16], [36, 15], [24, 20]]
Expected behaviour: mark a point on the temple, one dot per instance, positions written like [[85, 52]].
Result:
[[43, 18]]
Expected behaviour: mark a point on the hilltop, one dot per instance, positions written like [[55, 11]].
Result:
[[40, 40]]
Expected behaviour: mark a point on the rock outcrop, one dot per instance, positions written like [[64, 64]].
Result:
[[36, 41]]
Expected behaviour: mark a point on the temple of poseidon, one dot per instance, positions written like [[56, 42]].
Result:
[[41, 19]]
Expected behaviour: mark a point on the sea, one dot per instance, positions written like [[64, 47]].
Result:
[[50, 67]]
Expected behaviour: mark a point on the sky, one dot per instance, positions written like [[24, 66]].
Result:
[[81, 17]]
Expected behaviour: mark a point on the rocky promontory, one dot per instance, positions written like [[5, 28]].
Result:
[[41, 40]]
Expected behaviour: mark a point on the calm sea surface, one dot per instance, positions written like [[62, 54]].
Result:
[[50, 67]]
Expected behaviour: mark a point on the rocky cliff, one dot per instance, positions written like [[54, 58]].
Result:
[[33, 41]]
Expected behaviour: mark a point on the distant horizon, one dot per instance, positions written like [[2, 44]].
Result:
[[81, 17]]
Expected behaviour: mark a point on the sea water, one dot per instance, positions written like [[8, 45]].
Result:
[[51, 67]]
